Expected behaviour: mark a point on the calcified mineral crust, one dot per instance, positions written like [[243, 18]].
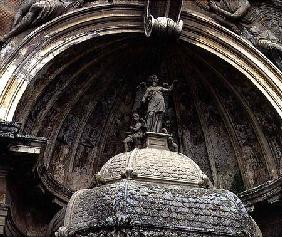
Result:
[[155, 192]]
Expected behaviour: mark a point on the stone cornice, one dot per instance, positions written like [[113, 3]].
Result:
[[270, 191], [15, 142]]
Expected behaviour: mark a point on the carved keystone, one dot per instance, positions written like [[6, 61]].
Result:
[[163, 18]]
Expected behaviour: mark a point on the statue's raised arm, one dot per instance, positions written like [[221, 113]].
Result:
[[170, 88]]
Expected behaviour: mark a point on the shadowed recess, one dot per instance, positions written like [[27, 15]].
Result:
[[83, 100]]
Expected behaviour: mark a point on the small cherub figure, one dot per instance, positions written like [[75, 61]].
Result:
[[232, 11], [172, 146], [135, 138]]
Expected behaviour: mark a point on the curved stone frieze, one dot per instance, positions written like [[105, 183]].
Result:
[[66, 35]]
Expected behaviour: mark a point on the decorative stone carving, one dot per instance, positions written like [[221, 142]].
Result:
[[252, 20], [136, 136], [170, 141], [150, 101], [235, 9], [163, 18], [37, 12], [163, 194], [154, 163], [155, 104]]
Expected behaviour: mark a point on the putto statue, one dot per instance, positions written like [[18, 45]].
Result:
[[170, 141], [136, 136], [234, 9], [155, 104]]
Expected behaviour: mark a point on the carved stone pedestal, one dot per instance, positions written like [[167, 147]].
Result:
[[157, 140]]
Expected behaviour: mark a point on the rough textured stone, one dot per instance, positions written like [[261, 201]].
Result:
[[7, 12], [158, 206], [155, 207], [224, 122], [154, 164]]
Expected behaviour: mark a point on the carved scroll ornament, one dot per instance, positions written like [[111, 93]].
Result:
[[163, 18]]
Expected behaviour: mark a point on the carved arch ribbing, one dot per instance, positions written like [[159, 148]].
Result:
[[43, 44]]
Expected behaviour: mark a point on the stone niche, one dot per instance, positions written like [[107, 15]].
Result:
[[82, 101]]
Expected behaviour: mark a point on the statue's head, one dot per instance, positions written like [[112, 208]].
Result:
[[154, 79], [136, 117]]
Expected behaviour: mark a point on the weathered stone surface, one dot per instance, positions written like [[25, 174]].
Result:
[[7, 11], [162, 204], [224, 122], [138, 205], [153, 164]]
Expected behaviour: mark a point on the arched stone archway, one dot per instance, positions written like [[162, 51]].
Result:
[[76, 36], [43, 44]]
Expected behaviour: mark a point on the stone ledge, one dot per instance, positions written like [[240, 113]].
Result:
[[271, 191]]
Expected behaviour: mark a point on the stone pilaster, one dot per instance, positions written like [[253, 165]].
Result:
[[15, 150]]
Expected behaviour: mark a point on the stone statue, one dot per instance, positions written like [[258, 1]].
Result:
[[36, 12], [155, 104], [134, 139], [234, 9], [246, 18], [172, 146], [266, 42]]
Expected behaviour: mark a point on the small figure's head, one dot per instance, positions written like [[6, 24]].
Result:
[[168, 124], [136, 117], [154, 79], [170, 139]]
